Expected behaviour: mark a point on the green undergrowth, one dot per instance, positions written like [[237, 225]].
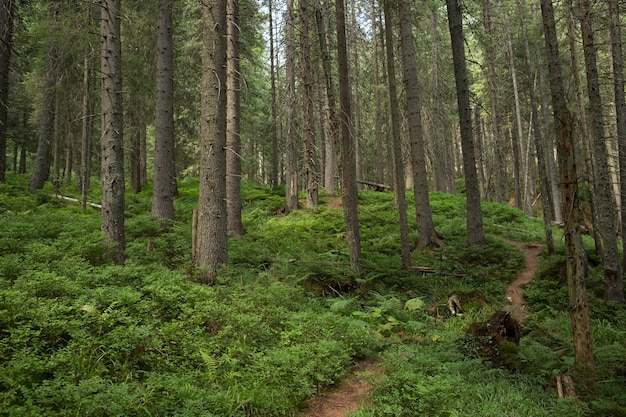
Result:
[[288, 317]]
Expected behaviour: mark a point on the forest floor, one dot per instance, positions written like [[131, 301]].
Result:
[[349, 394]]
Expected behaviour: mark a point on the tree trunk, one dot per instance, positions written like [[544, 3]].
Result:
[[41, 168], [6, 44], [475, 232], [349, 191], [590, 166], [112, 169], [427, 235], [378, 117], [233, 130], [576, 259], [332, 140], [620, 104], [291, 189], [307, 107], [212, 222], [613, 282], [398, 163], [274, 156], [500, 177], [164, 166], [546, 200]]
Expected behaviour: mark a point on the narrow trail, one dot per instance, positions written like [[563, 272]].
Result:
[[513, 296], [348, 396]]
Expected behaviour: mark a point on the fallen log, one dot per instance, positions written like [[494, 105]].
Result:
[[74, 200], [377, 186]]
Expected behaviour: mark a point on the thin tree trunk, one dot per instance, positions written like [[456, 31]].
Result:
[[546, 195], [398, 163], [291, 190], [620, 104], [427, 235], [332, 139], [164, 168], [576, 258], [112, 169], [590, 166], [475, 232], [274, 157], [500, 177], [212, 222], [6, 44], [613, 282], [233, 117], [349, 193], [307, 107], [378, 117]]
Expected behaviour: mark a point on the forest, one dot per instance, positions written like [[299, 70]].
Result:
[[229, 208]]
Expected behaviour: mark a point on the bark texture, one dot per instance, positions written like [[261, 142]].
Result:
[[164, 167], [6, 41], [475, 232], [212, 224], [112, 147]]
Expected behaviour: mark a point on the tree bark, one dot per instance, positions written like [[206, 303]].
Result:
[[546, 195], [164, 167], [427, 235], [332, 140], [576, 258], [291, 189], [475, 232], [212, 222], [398, 163], [500, 177], [87, 129], [274, 156], [6, 44], [613, 282], [349, 193], [233, 117], [112, 167], [307, 107], [615, 37]]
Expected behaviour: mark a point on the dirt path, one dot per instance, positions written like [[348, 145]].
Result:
[[513, 296], [347, 397]]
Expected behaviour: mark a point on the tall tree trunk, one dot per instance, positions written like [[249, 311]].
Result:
[[546, 195], [112, 168], [164, 181], [398, 163], [135, 151], [620, 104], [349, 193], [291, 189], [332, 140], [274, 157], [6, 44], [521, 177], [307, 107], [613, 281], [443, 165], [378, 117], [41, 168], [427, 235], [233, 130], [475, 232], [576, 258], [590, 165], [212, 223], [501, 177]]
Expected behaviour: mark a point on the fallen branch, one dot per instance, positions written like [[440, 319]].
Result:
[[377, 186], [427, 270], [74, 200]]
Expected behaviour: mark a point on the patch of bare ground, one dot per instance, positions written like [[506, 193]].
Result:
[[348, 396], [514, 296]]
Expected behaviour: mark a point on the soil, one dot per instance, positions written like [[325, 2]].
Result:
[[349, 394], [513, 296]]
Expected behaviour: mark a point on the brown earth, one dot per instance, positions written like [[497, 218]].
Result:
[[349, 394]]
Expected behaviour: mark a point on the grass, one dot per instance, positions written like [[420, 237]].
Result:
[[288, 317]]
